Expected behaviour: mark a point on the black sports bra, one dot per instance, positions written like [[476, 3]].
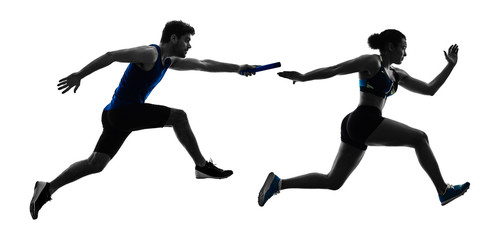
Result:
[[380, 84]]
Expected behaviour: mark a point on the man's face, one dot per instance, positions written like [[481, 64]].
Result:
[[183, 45]]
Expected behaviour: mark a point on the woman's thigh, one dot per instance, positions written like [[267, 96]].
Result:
[[394, 133]]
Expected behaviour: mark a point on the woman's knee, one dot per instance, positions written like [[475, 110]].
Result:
[[419, 138], [98, 161]]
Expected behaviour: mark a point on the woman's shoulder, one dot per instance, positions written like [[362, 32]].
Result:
[[399, 71], [374, 58], [371, 63]]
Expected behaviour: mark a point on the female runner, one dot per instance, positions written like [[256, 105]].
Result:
[[365, 125]]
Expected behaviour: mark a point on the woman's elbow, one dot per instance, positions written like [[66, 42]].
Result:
[[430, 92]]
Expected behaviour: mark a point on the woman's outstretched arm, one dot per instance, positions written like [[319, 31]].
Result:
[[365, 63]]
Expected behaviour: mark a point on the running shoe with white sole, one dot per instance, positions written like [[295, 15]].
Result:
[[211, 171]]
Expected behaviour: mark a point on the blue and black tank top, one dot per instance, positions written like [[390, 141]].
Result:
[[136, 84]]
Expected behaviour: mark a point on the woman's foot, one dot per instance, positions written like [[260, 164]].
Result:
[[452, 192]]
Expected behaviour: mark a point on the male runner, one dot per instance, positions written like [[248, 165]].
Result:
[[128, 111]]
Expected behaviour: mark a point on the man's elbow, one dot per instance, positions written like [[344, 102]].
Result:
[[109, 56], [205, 65]]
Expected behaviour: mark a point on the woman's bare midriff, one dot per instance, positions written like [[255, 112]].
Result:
[[368, 99]]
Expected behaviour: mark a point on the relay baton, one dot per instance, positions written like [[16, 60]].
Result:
[[262, 68]]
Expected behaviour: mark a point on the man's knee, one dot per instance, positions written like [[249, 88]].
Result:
[[335, 186], [335, 182], [177, 117], [181, 115]]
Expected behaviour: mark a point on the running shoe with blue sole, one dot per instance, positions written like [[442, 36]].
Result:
[[452, 192], [269, 189]]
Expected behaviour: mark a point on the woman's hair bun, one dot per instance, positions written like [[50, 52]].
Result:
[[375, 41], [380, 40]]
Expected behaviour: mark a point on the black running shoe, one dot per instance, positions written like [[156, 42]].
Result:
[[211, 171], [40, 197]]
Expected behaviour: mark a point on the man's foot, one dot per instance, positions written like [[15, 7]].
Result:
[[211, 171], [40, 197], [270, 187], [452, 192]]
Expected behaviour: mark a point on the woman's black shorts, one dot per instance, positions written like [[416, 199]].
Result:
[[358, 125], [119, 123]]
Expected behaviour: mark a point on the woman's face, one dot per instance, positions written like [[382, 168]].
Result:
[[398, 52]]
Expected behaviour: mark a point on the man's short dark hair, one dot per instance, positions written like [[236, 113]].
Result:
[[177, 28]]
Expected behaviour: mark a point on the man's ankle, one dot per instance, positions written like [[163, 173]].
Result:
[[201, 164]]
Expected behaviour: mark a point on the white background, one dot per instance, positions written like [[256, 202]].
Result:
[[251, 125]]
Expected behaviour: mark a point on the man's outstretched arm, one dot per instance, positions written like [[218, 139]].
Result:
[[208, 65]]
